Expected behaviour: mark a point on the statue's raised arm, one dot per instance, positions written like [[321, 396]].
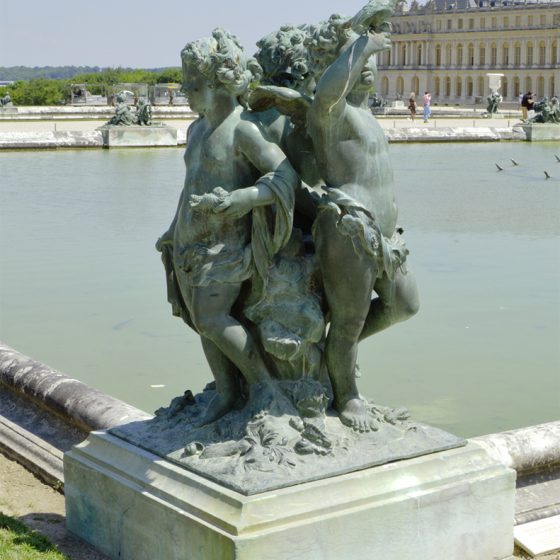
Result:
[[353, 54]]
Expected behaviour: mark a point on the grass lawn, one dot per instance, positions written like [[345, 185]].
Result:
[[17, 542]]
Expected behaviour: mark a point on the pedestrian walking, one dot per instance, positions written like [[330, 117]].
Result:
[[427, 100], [527, 102], [412, 105]]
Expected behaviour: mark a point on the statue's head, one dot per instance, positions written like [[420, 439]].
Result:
[[325, 41], [221, 61], [284, 58], [121, 97]]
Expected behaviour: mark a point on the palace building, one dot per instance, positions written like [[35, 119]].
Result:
[[448, 48]]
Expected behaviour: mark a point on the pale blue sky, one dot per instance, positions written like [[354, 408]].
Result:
[[140, 33]]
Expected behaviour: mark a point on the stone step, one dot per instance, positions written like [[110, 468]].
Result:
[[539, 537]]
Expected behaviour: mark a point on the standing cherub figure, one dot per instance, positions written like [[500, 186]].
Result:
[[355, 233], [224, 231]]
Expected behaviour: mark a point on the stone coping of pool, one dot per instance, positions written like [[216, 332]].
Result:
[[94, 139], [87, 112], [41, 401]]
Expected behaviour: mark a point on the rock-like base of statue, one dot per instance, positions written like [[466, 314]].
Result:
[[133, 505], [538, 132], [136, 136]]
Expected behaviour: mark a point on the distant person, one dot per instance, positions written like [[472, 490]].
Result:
[[527, 103], [412, 105], [427, 100]]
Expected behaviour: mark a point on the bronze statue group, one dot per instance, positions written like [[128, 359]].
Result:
[[284, 252]]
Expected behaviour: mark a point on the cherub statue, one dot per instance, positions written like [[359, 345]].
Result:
[[356, 237], [224, 231], [144, 112], [123, 114]]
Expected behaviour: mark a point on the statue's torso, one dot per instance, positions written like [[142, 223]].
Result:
[[212, 160], [352, 154]]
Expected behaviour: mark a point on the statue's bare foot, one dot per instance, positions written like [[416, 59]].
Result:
[[356, 415], [219, 406]]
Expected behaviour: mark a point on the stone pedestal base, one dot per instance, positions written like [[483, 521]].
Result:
[[132, 505], [536, 132], [138, 136]]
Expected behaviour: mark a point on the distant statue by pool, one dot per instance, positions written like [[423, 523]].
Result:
[[546, 111], [123, 115], [494, 100], [144, 112], [6, 101]]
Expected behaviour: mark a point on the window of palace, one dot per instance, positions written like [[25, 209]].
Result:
[[530, 54], [419, 55], [459, 55], [482, 23], [505, 54], [554, 53], [458, 87], [530, 21], [438, 55], [436, 86], [493, 54], [517, 21], [542, 53], [469, 87], [540, 86], [470, 55], [471, 23], [447, 86], [543, 20], [449, 24], [482, 55], [494, 22], [480, 85], [506, 22], [516, 86], [504, 87], [385, 86], [517, 54], [438, 25], [448, 55], [460, 24]]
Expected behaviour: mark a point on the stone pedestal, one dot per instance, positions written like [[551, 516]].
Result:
[[133, 505], [135, 136], [536, 132]]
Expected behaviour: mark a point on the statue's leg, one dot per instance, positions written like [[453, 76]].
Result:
[[397, 301], [348, 281], [226, 375], [211, 307]]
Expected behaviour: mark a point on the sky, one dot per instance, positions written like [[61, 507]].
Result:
[[140, 33]]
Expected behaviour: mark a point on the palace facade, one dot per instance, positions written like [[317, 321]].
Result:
[[449, 48]]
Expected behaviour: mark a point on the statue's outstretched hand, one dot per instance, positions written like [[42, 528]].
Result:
[[372, 17], [165, 240], [380, 41], [237, 204]]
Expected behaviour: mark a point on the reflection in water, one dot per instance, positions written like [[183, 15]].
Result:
[[82, 288]]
